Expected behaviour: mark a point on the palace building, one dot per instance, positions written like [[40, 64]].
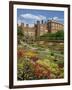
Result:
[[40, 28], [54, 26]]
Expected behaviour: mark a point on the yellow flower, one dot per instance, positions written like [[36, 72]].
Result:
[[30, 54]]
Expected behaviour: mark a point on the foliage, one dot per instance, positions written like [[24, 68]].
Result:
[[20, 35], [39, 63], [25, 70], [41, 72], [30, 54], [20, 53], [53, 36]]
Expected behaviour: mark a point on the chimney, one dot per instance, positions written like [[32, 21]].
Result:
[[27, 25], [22, 25], [42, 22], [38, 22]]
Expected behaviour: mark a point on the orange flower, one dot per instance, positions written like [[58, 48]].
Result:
[[20, 53]]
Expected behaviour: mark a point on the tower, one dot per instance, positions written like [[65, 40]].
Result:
[[22, 26], [37, 31]]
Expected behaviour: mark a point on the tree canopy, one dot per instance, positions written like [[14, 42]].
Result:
[[20, 35], [53, 36]]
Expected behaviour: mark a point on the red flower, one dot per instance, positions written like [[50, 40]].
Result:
[[20, 53]]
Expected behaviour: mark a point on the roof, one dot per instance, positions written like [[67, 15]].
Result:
[[54, 21]]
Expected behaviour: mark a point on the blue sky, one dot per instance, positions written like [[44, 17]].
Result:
[[30, 16]]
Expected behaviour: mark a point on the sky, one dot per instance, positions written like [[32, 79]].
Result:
[[30, 16]]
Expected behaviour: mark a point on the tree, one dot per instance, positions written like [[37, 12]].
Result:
[[53, 36], [20, 35], [60, 35]]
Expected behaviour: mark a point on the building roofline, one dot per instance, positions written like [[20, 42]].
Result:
[[55, 22]]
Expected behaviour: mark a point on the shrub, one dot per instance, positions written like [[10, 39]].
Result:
[[41, 72], [26, 71], [20, 53], [52, 54]]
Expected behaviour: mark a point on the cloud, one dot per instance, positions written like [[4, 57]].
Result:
[[19, 21], [42, 17], [31, 16], [56, 18], [31, 25]]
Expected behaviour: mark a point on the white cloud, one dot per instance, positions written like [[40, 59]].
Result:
[[56, 18], [31, 25], [31, 16], [21, 21], [42, 17]]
